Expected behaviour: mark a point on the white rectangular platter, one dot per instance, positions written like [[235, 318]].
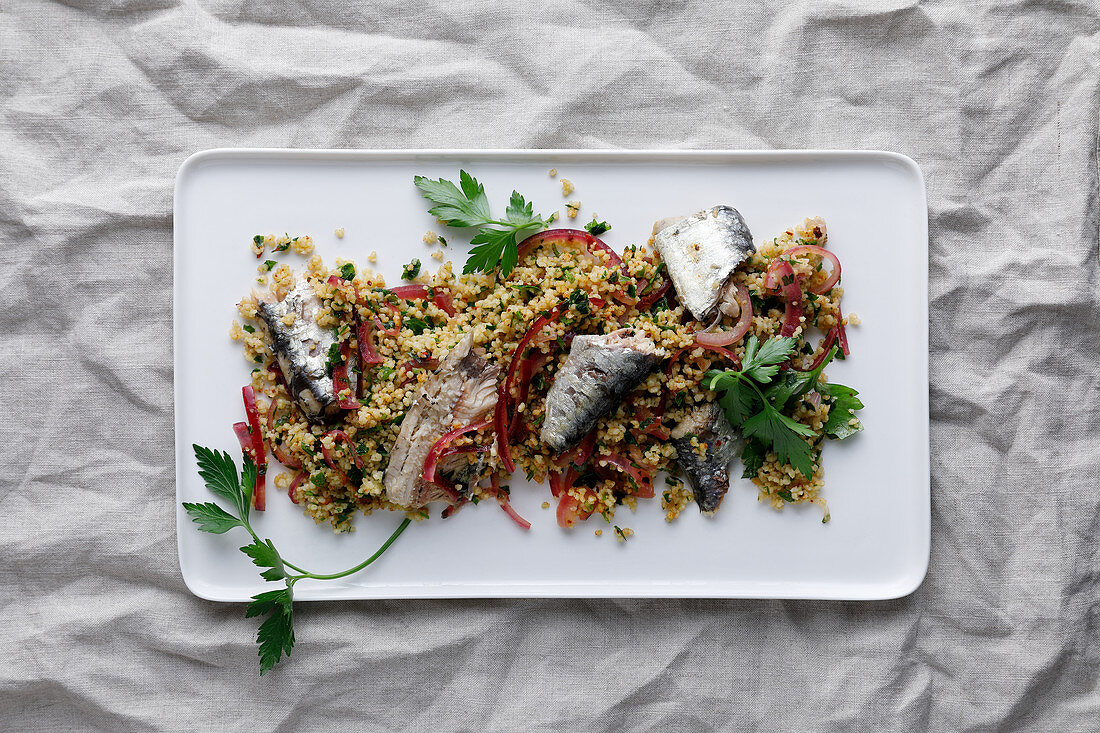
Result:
[[876, 545]]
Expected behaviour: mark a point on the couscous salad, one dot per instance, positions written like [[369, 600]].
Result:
[[610, 378]]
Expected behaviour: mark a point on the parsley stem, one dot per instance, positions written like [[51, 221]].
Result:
[[752, 384], [332, 576]]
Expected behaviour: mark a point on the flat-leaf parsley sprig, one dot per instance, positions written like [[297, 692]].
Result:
[[754, 398], [467, 206], [276, 634]]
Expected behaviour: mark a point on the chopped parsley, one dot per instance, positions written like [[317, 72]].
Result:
[[347, 271], [248, 328], [258, 239], [333, 358], [411, 270], [415, 325], [579, 300], [596, 228], [270, 264]]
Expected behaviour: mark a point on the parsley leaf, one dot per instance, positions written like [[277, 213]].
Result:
[[596, 228], [842, 412], [752, 457], [264, 555], [415, 325], [411, 270], [276, 634], [772, 427], [347, 271], [793, 383], [492, 246], [211, 518], [270, 264], [763, 364], [579, 300], [466, 206]]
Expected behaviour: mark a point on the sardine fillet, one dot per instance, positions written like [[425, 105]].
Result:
[[301, 347], [701, 252], [463, 389], [709, 474], [592, 381]]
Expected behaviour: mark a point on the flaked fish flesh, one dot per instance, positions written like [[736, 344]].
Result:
[[463, 391], [701, 252], [301, 348], [707, 468], [592, 382]]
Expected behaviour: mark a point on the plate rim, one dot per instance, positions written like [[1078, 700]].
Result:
[[904, 586]]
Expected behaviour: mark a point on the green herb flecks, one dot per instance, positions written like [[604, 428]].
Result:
[[596, 228], [579, 300], [347, 271], [276, 634], [466, 206], [411, 270], [269, 264]]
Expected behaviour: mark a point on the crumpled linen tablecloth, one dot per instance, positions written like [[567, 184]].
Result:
[[101, 100]]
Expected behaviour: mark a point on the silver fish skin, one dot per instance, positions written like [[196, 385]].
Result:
[[709, 475], [302, 351], [701, 252], [597, 373], [463, 389]]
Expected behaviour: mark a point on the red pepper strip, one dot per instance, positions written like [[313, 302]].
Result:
[[792, 293], [500, 415], [526, 374], [444, 303], [419, 292], [842, 335], [382, 327], [409, 366], [467, 449], [502, 499], [834, 276], [292, 492], [647, 302], [449, 511], [244, 438], [340, 380], [260, 456], [829, 339], [579, 454], [570, 509], [367, 353], [435, 452], [654, 428], [341, 435], [643, 482]]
